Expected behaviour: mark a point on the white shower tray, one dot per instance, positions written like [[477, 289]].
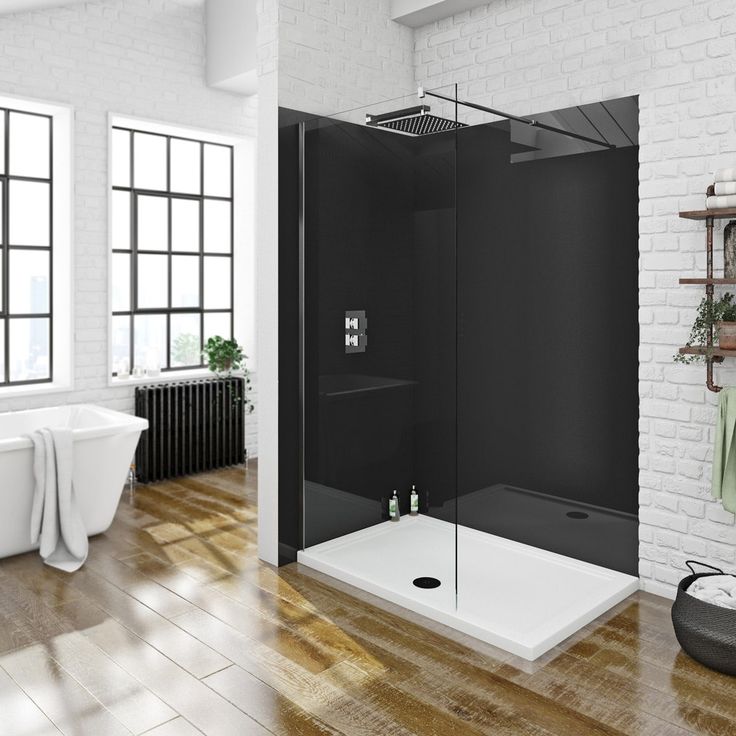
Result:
[[516, 597]]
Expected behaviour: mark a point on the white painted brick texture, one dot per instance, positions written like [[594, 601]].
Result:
[[334, 55], [142, 58], [679, 56]]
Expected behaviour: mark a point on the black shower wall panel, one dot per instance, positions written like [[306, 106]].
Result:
[[543, 385], [547, 322], [359, 256]]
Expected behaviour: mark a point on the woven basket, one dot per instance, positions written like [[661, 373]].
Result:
[[706, 632]]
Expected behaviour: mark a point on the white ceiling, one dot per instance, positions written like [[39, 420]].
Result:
[[416, 13], [412, 13], [19, 6]]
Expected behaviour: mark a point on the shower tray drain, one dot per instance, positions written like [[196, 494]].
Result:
[[427, 582], [577, 514]]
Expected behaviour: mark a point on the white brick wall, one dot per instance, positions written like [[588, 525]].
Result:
[[679, 56], [334, 55], [267, 291], [137, 57]]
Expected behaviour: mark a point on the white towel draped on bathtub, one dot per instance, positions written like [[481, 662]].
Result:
[[55, 517]]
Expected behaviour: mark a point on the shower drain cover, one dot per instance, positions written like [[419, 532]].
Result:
[[577, 514], [427, 582]]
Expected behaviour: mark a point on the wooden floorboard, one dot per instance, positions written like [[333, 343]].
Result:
[[174, 628]]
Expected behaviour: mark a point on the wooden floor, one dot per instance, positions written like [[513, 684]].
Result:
[[173, 628]]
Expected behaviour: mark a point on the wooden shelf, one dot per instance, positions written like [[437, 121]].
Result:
[[722, 214], [708, 281], [703, 350], [711, 354]]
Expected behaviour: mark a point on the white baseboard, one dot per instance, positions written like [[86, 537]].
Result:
[[661, 589]]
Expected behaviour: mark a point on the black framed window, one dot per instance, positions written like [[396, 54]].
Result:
[[172, 248], [26, 234]]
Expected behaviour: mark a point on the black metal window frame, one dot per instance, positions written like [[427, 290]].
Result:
[[6, 316], [134, 251]]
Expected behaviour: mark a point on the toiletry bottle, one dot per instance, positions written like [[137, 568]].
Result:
[[414, 502], [393, 508]]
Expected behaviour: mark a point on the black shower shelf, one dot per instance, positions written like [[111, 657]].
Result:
[[708, 281]]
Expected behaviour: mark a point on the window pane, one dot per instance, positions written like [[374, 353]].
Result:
[[29, 281], [2, 352], [185, 340], [120, 158], [217, 229], [2, 261], [149, 349], [185, 224], [185, 281], [149, 161], [120, 343], [121, 220], [216, 283], [152, 282], [153, 223], [185, 166], [120, 282], [2, 203], [29, 349], [29, 213], [217, 323], [217, 170], [30, 145]]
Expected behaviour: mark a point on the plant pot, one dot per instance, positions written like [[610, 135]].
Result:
[[726, 335], [729, 250]]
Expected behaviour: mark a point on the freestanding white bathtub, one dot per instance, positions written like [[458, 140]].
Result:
[[104, 443]]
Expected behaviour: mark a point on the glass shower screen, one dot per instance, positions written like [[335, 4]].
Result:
[[379, 387], [450, 257]]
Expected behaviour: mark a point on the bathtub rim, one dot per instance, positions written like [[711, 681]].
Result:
[[121, 424]]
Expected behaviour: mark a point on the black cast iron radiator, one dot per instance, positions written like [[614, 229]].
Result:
[[193, 426]]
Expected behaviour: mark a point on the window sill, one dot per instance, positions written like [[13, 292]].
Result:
[[34, 389], [162, 378]]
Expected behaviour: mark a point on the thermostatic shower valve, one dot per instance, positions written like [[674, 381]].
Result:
[[356, 326]]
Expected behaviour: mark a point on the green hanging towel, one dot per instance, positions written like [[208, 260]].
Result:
[[724, 452]]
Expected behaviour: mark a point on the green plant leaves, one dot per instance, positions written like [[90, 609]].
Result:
[[225, 356], [709, 313]]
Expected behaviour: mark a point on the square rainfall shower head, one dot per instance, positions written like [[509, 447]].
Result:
[[413, 121]]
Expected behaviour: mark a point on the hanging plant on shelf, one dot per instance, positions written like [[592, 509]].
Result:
[[720, 315], [225, 357]]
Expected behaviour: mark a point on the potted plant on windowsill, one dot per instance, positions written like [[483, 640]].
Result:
[[224, 358], [720, 315]]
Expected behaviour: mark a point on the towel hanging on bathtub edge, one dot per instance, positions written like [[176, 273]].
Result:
[[55, 517], [724, 451]]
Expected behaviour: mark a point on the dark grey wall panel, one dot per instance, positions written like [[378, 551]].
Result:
[[547, 267], [359, 232], [517, 349]]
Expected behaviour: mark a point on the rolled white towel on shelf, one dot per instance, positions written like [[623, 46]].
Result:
[[725, 175], [720, 203], [725, 188]]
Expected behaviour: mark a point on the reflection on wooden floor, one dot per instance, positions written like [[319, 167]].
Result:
[[174, 627]]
